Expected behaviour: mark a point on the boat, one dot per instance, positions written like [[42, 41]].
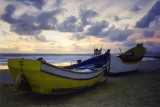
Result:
[[41, 77], [134, 55], [128, 61], [97, 51]]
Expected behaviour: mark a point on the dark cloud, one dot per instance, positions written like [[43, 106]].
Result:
[[130, 43], [152, 46], [25, 25], [116, 18], [30, 25], [33, 25], [7, 16], [148, 34], [36, 3], [41, 38], [151, 16], [118, 34], [73, 24], [77, 36], [70, 25], [115, 34], [97, 28], [47, 20], [86, 16], [135, 9]]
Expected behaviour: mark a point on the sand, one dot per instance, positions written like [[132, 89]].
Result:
[[140, 90]]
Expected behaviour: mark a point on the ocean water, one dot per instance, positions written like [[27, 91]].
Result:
[[55, 59]]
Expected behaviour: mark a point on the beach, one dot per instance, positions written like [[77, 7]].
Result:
[[140, 90]]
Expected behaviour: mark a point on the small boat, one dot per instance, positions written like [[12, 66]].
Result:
[[41, 77], [128, 61], [97, 51]]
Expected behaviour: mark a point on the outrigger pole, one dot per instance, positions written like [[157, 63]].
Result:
[[120, 50]]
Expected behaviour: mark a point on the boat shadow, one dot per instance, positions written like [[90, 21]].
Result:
[[41, 99]]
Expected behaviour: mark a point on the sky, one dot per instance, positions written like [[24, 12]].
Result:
[[75, 26]]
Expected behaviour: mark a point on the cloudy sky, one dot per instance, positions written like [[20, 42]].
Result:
[[75, 26]]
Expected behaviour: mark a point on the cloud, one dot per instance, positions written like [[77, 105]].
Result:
[[116, 18], [135, 9], [152, 46], [47, 20], [148, 34], [14, 49], [58, 3], [36, 3], [151, 16], [74, 24], [41, 38], [25, 25], [119, 35], [7, 16], [82, 25], [130, 43], [86, 16], [70, 25], [80, 49], [30, 25], [97, 28], [77, 36]]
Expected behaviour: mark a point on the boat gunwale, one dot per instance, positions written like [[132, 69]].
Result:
[[69, 70], [73, 78]]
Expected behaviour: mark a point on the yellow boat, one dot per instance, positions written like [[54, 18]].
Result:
[[44, 78], [134, 55]]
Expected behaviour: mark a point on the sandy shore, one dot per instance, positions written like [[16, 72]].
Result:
[[140, 90]]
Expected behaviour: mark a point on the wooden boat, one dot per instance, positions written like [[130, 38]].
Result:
[[134, 55], [44, 78], [128, 61], [96, 50]]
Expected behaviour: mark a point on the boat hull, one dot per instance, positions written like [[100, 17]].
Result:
[[44, 78], [118, 67]]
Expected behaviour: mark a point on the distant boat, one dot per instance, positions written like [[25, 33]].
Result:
[[97, 51], [128, 61], [41, 77], [134, 55]]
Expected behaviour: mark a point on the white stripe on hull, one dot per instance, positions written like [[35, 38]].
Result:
[[70, 74]]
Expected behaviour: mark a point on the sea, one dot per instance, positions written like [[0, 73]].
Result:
[[55, 59]]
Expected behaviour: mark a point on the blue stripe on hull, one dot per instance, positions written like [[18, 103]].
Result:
[[70, 89]]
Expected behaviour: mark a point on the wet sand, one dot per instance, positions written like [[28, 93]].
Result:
[[141, 90]]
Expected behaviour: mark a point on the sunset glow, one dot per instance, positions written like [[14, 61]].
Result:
[[76, 26]]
